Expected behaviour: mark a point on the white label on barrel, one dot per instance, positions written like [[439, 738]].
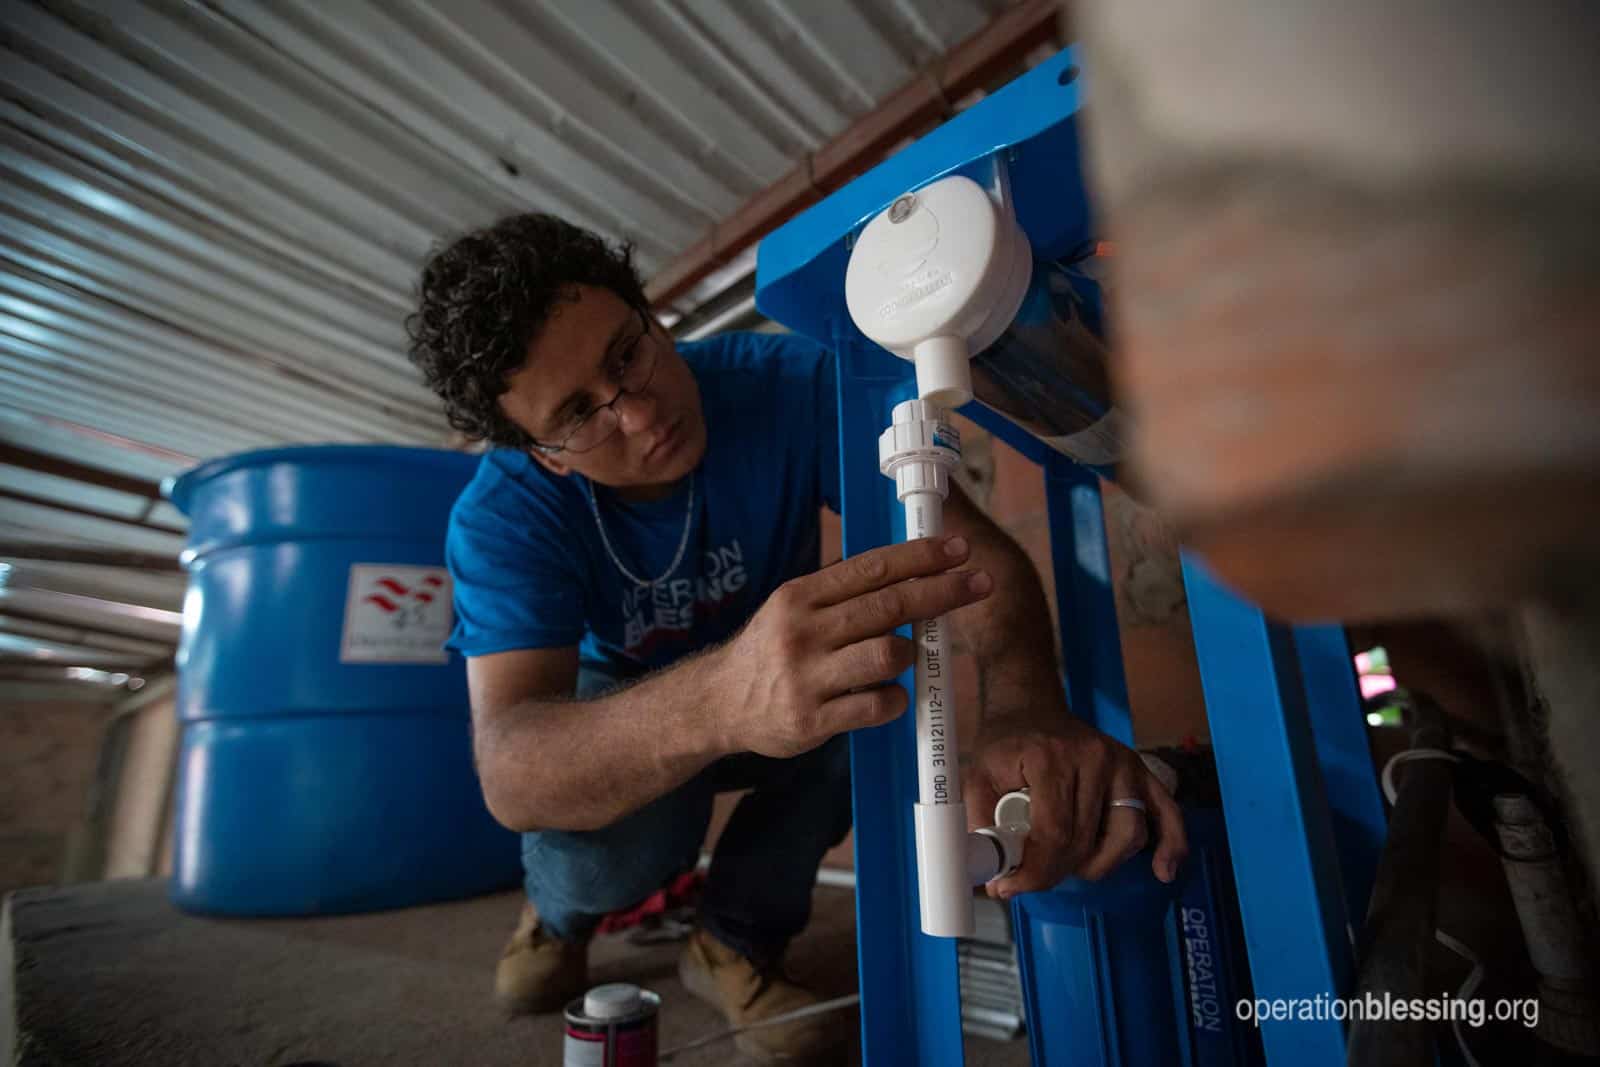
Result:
[[396, 614]]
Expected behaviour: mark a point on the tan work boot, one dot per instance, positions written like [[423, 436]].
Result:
[[744, 994], [537, 972]]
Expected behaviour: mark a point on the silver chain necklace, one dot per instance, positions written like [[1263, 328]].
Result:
[[683, 542]]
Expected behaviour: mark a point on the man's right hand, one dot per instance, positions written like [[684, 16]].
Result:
[[815, 660]]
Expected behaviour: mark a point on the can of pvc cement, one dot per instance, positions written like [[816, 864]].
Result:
[[612, 1026]]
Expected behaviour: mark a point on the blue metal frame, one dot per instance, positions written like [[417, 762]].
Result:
[[909, 982], [910, 991], [1091, 650], [1333, 697], [1104, 950], [1098, 972], [1298, 926], [1283, 709]]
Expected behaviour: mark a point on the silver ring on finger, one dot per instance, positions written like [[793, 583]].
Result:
[[1130, 802]]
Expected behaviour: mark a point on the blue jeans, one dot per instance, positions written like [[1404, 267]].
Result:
[[758, 891]]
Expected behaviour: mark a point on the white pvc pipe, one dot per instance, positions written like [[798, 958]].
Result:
[[937, 779], [944, 884]]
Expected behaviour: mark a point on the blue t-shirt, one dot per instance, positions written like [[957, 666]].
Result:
[[530, 568]]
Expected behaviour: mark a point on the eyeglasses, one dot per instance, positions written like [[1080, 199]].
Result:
[[587, 428]]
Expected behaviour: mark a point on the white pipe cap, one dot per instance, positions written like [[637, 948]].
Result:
[[944, 889]]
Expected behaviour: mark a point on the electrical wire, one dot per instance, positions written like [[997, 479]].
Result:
[[1387, 778], [1469, 987], [1475, 977], [837, 1004]]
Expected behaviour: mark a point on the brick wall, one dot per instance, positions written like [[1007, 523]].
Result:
[[48, 752]]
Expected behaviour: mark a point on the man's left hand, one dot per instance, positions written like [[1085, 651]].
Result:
[[1073, 772]]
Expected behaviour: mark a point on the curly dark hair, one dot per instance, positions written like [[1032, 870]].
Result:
[[484, 296]]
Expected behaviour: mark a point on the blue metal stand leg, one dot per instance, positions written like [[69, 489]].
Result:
[[1334, 698], [1091, 650], [910, 993], [1096, 949], [1280, 831]]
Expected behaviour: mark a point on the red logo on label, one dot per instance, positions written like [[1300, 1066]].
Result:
[[399, 593], [404, 604]]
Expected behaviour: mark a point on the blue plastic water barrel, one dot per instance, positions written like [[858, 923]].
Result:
[[326, 761]]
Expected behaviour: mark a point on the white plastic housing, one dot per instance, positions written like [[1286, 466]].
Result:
[[938, 276]]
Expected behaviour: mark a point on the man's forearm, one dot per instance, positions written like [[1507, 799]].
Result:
[[1010, 632], [1011, 638], [584, 764]]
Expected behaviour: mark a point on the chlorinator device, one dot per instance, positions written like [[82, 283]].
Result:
[[939, 275]]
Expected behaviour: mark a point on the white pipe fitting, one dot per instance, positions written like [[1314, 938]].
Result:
[[996, 851]]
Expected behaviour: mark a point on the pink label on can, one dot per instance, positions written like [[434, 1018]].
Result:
[[627, 1048], [636, 1048]]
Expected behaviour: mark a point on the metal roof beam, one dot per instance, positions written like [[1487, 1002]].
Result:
[[84, 636], [99, 557], [43, 463], [38, 650], [89, 513], [80, 523], [972, 64], [137, 620], [96, 447]]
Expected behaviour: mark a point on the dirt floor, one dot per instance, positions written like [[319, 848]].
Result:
[[112, 974]]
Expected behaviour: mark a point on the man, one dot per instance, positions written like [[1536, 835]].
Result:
[[638, 598]]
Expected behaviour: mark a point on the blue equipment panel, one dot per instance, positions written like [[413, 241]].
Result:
[[325, 763], [1129, 971]]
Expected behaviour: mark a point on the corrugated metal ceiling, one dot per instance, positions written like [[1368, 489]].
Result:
[[211, 213]]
